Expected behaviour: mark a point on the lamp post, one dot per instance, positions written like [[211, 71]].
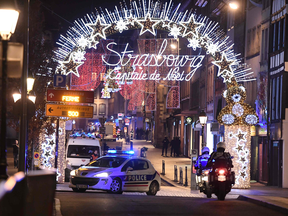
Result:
[[8, 21], [203, 121]]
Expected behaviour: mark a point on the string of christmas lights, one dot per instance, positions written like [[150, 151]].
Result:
[[149, 16]]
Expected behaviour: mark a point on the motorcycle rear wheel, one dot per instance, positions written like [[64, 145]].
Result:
[[222, 191]]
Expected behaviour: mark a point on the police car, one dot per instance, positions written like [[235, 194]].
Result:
[[116, 172]]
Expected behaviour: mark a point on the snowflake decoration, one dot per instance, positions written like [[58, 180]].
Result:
[[121, 25], [175, 31], [82, 42], [79, 56], [212, 48], [194, 43]]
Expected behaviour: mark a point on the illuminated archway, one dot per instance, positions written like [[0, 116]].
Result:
[[92, 31]]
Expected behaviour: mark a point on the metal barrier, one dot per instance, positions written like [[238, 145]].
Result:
[[180, 176], [163, 167], [186, 177], [175, 173]]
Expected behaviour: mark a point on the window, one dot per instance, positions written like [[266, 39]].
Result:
[[276, 98], [110, 162], [102, 109], [80, 151], [95, 109], [136, 164]]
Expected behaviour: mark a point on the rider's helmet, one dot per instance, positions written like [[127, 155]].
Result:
[[205, 150], [221, 146]]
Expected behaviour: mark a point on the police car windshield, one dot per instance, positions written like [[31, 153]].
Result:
[[109, 162]]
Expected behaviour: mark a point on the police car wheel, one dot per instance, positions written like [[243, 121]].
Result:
[[116, 186], [153, 189]]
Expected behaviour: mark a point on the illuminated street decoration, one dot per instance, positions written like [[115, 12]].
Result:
[[236, 112], [149, 16], [47, 151], [238, 117], [238, 142]]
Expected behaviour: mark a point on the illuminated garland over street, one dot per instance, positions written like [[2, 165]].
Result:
[[150, 16]]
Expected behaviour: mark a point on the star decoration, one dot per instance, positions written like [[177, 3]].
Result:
[[239, 148], [175, 31], [204, 40], [148, 25], [227, 77], [92, 43], [47, 154], [98, 28], [191, 26], [242, 159], [70, 66], [121, 25], [51, 142], [224, 65], [240, 135], [243, 174], [166, 23], [131, 20]]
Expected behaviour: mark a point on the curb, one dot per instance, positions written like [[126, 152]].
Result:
[[57, 207], [263, 203], [172, 183]]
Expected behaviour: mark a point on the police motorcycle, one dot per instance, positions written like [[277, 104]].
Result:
[[221, 178], [202, 172], [202, 182]]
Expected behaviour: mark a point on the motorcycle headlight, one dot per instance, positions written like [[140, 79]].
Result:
[[103, 175], [73, 173]]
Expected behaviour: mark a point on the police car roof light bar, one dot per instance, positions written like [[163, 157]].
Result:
[[113, 151]]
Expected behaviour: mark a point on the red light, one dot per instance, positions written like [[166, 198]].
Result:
[[221, 171]]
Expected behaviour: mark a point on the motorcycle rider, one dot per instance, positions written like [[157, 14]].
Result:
[[202, 160], [220, 156]]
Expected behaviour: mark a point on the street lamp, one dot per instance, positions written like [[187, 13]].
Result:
[[8, 21], [203, 121], [233, 5]]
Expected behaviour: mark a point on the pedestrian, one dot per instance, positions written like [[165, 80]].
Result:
[[172, 143], [94, 156], [15, 153], [165, 146], [177, 146]]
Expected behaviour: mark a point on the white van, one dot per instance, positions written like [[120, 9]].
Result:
[[79, 150]]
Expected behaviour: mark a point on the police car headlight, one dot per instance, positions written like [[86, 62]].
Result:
[[103, 174], [73, 173]]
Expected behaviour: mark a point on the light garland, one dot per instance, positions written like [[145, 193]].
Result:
[[238, 141], [198, 30]]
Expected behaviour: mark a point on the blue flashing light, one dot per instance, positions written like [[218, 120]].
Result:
[[128, 152], [112, 151]]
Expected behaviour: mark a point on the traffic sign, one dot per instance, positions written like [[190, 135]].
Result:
[[36, 155], [59, 80], [72, 111], [70, 96]]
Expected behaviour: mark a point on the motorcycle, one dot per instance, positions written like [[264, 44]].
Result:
[[221, 179], [202, 182]]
